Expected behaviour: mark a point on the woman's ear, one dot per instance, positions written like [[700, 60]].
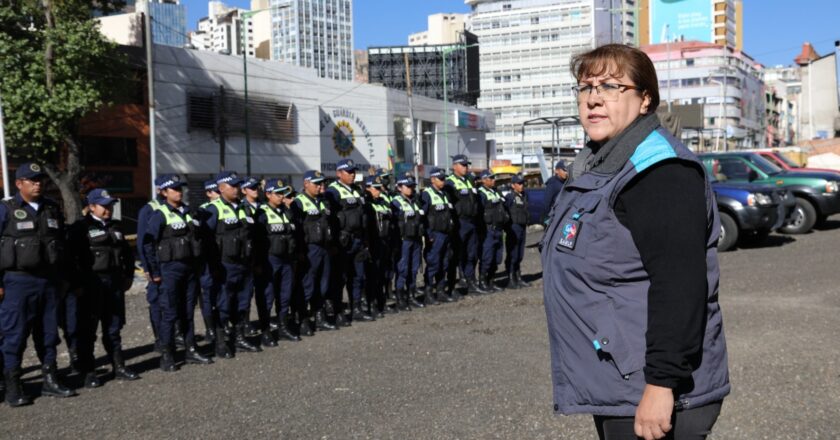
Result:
[[645, 103]]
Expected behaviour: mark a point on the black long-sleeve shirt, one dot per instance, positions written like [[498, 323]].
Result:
[[665, 211]]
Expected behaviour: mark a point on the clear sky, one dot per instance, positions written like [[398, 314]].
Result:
[[774, 30]]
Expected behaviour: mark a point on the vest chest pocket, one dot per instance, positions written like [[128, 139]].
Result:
[[28, 253], [576, 229]]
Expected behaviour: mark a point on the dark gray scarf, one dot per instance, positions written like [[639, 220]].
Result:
[[611, 157]]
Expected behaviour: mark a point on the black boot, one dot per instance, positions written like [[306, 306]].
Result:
[[306, 327], [51, 386], [284, 329], [274, 323], [512, 284], [193, 356], [120, 370], [74, 360], [250, 330], [14, 389], [167, 360], [267, 339], [210, 331], [222, 349], [402, 300], [429, 296], [242, 343], [321, 322], [520, 282], [442, 297], [179, 337], [482, 288], [412, 298], [341, 319], [360, 314], [491, 284], [92, 380], [477, 289]]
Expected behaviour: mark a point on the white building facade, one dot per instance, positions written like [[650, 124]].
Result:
[[223, 29], [297, 121], [317, 34], [442, 29], [526, 47]]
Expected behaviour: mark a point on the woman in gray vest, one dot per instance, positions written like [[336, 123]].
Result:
[[630, 266]]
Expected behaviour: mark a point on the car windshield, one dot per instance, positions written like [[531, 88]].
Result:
[[788, 161], [764, 165]]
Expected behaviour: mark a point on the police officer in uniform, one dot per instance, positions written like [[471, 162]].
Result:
[[516, 203], [231, 228], [409, 218], [495, 220], [379, 229], [276, 227], [347, 206], [209, 280], [464, 196], [103, 272], [173, 249], [390, 267], [257, 280], [439, 227], [312, 214], [31, 249], [152, 289]]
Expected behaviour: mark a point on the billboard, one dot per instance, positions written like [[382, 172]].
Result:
[[680, 20]]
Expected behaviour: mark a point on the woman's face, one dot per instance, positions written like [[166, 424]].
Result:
[[603, 117]]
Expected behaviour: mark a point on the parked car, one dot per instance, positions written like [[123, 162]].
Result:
[[750, 212], [816, 193], [785, 163]]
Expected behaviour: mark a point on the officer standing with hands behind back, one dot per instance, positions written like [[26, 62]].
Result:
[[516, 203], [439, 227], [173, 250], [463, 194], [346, 204], [495, 219], [31, 249], [103, 272]]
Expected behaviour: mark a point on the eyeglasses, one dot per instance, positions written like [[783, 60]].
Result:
[[607, 91]]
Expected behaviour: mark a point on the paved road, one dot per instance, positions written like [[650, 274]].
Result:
[[475, 369]]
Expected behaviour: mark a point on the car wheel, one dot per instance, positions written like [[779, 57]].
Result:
[[803, 218], [728, 232]]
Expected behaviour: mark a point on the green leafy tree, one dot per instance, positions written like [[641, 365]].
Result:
[[55, 67]]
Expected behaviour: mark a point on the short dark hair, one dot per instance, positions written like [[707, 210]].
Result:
[[617, 60]]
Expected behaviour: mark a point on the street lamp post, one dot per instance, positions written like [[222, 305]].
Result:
[[444, 54], [243, 46]]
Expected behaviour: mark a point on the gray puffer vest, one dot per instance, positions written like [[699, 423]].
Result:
[[596, 289]]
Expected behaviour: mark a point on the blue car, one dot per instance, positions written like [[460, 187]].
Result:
[[750, 211]]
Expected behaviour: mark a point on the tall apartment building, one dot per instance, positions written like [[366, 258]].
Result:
[[786, 84], [316, 34], [442, 29], [223, 29], [724, 85], [526, 46], [710, 21], [169, 21]]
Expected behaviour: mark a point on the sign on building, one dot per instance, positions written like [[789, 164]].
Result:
[[680, 20]]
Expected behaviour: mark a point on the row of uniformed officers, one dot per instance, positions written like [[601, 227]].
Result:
[[292, 255]]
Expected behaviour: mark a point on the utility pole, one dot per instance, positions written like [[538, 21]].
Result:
[[150, 78], [411, 117], [243, 46], [221, 125], [5, 165]]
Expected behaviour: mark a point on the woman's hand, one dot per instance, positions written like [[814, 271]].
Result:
[[653, 416]]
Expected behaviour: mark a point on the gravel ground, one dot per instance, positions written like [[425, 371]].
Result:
[[478, 368]]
